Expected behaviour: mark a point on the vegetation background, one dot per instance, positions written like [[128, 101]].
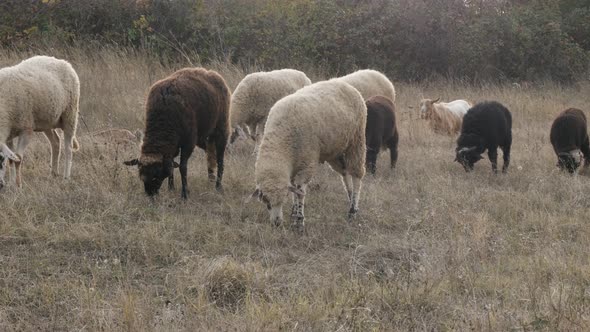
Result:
[[499, 40], [433, 249]]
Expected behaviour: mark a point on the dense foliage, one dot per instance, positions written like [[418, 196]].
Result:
[[409, 39]]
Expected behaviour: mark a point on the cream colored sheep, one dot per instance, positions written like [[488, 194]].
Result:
[[40, 94], [370, 83], [256, 94], [323, 122], [444, 118]]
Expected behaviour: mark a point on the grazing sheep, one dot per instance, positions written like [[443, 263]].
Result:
[[39, 94], [255, 95], [322, 122], [444, 118], [370, 83], [487, 125], [381, 132], [569, 137], [188, 108]]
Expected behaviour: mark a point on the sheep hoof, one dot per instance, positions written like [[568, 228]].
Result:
[[277, 222], [352, 213], [298, 225], [219, 188]]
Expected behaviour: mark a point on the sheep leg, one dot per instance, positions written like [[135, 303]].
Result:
[[392, 145], [11, 170], [171, 181], [54, 142], [297, 214], [211, 159], [220, 144], [354, 200], [348, 184], [184, 155], [506, 156], [372, 155], [68, 138], [23, 141], [493, 155]]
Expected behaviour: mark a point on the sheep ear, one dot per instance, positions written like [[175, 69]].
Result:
[[5, 150], [296, 191], [133, 162]]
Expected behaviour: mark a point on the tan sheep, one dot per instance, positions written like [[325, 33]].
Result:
[[256, 94], [444, 118], [40, 94], [322, 122]]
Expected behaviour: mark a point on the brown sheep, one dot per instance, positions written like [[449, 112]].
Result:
[[188, 108], [381, 132], [569, 137]]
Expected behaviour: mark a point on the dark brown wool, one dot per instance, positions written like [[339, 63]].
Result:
[[188, 108], [569, 132], [486, 126], [381, 131]]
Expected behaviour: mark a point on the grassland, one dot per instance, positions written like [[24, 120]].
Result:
[[433, 248]]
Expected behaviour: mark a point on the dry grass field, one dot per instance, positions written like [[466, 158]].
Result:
[[433, 248]]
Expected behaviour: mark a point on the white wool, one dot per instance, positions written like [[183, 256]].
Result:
[[40, 94], [258, 92], [322, 122], [444, 117], [370, 83], [458, 107]]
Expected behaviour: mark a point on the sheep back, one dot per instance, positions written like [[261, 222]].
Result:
[[318, 123], [370, 83], [258, 92], [183, 110]]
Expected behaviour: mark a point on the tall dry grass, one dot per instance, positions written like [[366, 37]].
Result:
[[433, 248]]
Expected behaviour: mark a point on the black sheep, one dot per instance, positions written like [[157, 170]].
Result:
[[486, 126], [188, 108], [569, 137], [381, 132]]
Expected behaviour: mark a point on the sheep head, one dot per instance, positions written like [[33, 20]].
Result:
[[6, 155], [467, 157], [570, 160], [152, 171], [274, 198], [427, 108]]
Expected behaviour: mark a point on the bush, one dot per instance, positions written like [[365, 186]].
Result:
[[410, 40]]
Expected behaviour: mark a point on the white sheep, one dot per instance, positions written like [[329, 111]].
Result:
[[370, 83], [39, 94], [445, 118], [256, 94], [322, 122]]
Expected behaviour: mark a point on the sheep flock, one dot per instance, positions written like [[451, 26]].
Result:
[[297, 126]]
